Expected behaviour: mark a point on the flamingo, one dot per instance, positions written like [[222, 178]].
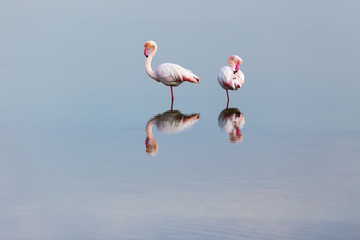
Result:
[[230, 77], [169, 122], [168, 73], [232, 121]]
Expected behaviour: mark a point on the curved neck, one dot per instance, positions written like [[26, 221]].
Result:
[[149, 127], [151, 145], [148, 68], [231, 61]]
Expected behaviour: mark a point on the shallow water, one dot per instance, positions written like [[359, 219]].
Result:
[[77, 110]]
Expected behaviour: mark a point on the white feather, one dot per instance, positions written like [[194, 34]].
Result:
[[228, 80]]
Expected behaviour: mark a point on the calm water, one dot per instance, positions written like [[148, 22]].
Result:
[[90, 150]]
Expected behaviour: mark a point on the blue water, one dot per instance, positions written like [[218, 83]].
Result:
[[75, 104]]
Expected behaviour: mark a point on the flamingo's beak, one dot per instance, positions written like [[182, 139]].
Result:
[[146, 52], [237, 68]]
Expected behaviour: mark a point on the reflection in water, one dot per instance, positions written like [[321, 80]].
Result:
[[231, 120], [169, 122]]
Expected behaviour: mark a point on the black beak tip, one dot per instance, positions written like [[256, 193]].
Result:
[[235, 72]]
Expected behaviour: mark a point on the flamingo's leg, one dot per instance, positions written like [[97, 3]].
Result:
[[172, 94], [172, 98], [227, 93]]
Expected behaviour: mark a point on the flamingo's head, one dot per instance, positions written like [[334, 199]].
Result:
[[237, 61], [151, 146], [149, 45]]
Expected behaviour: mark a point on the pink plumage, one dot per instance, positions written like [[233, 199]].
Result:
[[168, 73], [230, 77]]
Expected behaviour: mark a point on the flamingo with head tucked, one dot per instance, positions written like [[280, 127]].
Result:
[[232, 121], [230, 77], [168, 73]]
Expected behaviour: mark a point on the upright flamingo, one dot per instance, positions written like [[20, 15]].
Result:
[[230, 77], [167, 73]]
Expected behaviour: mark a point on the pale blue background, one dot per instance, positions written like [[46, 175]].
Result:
[[75, 100]]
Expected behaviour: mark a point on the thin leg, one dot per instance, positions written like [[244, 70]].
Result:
[[227, 93], [172, 98], [172, 94]]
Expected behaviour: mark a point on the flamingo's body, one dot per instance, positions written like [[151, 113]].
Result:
[[173, 75], [230, 77], [229, 80], [168, 73]]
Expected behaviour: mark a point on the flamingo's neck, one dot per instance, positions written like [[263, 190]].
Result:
[[151, 145], [234, 62], [231, 61], [148, 68], [149, 127]]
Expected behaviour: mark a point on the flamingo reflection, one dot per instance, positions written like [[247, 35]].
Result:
[[169, 122], [231, 121]]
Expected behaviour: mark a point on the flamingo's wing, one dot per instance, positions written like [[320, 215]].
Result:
[[189, 76], [169, 74], [240, 77], [226, 78], [230, 80], [172, 74]]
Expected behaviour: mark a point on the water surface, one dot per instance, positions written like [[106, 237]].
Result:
[[77, 107]]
